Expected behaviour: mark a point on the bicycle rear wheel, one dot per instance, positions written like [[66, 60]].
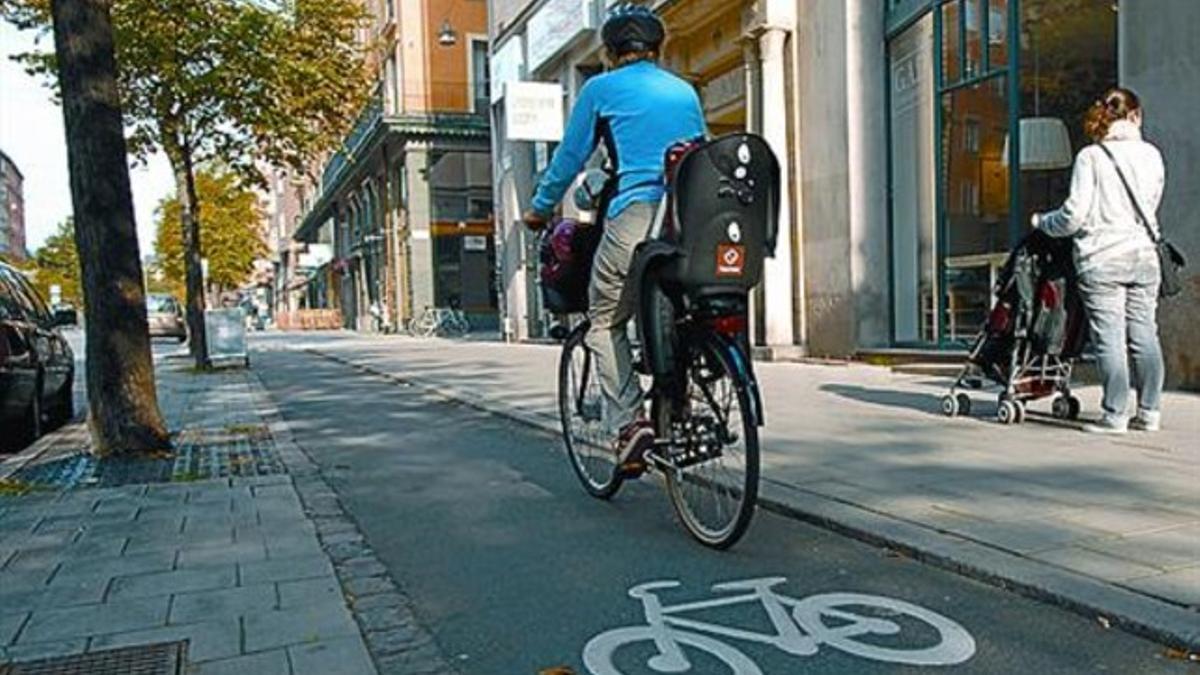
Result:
[[713, 459], [580, 408]]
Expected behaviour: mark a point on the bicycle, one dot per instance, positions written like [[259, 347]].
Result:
[[801, 627], [436, 321], [692, 278]]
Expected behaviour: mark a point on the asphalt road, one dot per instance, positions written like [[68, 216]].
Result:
[[515, 570]]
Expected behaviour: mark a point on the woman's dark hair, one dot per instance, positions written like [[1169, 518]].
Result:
[[1117, 104]]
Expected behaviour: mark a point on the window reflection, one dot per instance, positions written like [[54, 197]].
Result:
[[975, 201], [1068, 58]]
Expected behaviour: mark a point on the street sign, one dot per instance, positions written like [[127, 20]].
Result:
[[534, 111]]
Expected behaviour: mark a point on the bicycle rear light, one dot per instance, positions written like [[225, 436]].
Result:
[[731, 325]]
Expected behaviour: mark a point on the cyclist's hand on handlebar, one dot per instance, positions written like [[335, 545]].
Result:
[[535, 221]]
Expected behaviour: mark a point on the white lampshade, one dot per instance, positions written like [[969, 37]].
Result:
[[1045, 144]]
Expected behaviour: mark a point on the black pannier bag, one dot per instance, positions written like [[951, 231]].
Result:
[[567, 251], [567, 254]]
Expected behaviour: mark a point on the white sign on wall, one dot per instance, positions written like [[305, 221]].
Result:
[[507, 63], [555, 26], [474, 243], [533, 111], [316, 256]]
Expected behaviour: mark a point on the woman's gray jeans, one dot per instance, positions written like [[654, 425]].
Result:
[[608, 339], [1121, 297]]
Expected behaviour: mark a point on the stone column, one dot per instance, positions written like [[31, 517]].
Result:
[[420, 232], [778, 301]]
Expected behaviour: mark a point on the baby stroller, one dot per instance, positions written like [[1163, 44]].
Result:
[[1033, 335]]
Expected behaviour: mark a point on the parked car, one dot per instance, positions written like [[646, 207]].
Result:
[[165, 315], [37, 366], [66, 314]]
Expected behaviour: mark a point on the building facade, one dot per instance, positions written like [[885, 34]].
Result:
[[12, 210], [402, 216], [917, 138]]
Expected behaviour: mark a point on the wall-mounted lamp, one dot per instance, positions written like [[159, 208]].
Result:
[[446, 36]]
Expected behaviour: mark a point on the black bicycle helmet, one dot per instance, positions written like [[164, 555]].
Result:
[[632, 28]]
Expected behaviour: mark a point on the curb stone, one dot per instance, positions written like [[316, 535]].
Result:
[[398, 644], [1110, 605]]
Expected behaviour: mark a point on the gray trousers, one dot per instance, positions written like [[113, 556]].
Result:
[[1122, 304], [608, 339]]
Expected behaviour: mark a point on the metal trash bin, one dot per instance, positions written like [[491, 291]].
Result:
[[226, 329]]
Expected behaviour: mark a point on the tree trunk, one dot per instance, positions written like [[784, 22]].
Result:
[[120, 371], [180, 155]]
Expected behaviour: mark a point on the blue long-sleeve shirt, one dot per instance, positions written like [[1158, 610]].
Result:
[[638, 111]]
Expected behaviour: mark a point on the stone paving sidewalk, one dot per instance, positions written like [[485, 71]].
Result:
[[259, 573], [1106, 526]]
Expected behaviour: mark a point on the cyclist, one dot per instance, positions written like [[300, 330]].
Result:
[[639, 110]]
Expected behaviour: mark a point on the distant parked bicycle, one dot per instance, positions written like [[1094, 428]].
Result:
[[441, 322]]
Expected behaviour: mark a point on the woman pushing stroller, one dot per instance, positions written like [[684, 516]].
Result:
[[1116, 258]]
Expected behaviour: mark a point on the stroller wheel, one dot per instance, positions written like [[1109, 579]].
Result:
[[1075, 406], [1066, 407], [1010, 412], [964, 404], [950, 405]]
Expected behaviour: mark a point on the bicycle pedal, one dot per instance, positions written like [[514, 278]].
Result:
[[633, 470]]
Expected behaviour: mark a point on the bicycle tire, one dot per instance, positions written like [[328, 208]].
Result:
[[603, 482], [685, 483]]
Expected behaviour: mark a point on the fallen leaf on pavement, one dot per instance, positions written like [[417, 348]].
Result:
[[560, 670], [1182, 655]]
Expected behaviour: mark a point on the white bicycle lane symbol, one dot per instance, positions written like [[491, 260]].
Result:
[[801, 628]]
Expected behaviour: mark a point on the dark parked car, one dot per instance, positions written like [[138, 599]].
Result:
[[37, 367], [165, 317]]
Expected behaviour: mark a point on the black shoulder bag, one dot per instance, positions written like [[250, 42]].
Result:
[[1170, 260]]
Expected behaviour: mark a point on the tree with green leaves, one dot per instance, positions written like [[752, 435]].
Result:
[[233, 82], [230, 234], [56, 263]]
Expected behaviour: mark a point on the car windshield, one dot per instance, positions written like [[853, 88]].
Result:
[[160, 304]]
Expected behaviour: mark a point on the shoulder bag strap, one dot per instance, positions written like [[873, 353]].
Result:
[[1137, 205]]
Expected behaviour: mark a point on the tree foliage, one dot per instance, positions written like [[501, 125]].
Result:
[[56, 263], [236, 81], [239, 83], [230, 234]]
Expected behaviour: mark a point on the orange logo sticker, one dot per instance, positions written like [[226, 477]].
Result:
[[731, 260]]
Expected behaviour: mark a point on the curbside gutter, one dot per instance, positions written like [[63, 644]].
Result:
[[398, 644], [1110, 605]]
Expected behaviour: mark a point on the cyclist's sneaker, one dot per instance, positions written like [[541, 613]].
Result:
[[634, 442]]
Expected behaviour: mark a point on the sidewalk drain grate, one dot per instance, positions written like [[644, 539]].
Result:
[[199, 455], [161, 659]]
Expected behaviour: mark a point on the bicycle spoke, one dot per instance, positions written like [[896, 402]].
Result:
[[711, 488]]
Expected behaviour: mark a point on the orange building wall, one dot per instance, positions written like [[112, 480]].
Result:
[[448, 69]]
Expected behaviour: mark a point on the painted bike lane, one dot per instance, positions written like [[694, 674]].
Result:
[[514, 570]]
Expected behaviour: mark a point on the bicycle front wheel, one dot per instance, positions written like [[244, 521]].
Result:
[[713, 459], [580, 408]]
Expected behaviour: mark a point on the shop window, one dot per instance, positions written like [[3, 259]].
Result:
[[951, 38], [915, 280], [1068, 59], [461, 186], [976, 207]]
